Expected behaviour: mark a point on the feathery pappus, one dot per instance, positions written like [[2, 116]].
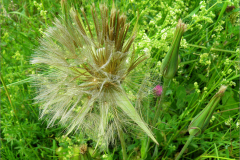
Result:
[[83, 72]]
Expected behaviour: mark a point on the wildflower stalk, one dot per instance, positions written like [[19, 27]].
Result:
[[168, 69], [185, 147], [123, 144], [160, 103], [200, 122], [170, 62], [158, 112]]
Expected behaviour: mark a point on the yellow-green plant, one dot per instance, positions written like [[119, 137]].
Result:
[[81, 85]]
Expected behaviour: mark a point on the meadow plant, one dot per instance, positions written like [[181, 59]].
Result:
[[170, 63], [84, 70], [201, 121], [89, 76]]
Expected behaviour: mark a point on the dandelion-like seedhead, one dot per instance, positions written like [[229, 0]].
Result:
[[81, 85]]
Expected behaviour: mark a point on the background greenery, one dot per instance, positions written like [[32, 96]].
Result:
[[209, 58]]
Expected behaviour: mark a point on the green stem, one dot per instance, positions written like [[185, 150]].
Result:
[[185, 147], [123, 144], [212, 49], [148, 140], [159, 105], [121, 136], [88, 156]]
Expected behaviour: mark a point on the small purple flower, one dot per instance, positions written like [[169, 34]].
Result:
[[158, 90]]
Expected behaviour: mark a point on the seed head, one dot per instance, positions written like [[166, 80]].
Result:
[[81, 82]]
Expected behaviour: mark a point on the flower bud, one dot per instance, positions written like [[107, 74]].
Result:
[[200, 122], [170, 62]]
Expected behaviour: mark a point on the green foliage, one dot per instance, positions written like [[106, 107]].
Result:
[[209, 53]]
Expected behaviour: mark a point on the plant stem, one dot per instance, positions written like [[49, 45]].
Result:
[[185, 147], [88, 156], [123, 144], [212, 49], [148, 140], [159, 105], [121, 137]]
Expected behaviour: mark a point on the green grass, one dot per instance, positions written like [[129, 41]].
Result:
[[209, 55]]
